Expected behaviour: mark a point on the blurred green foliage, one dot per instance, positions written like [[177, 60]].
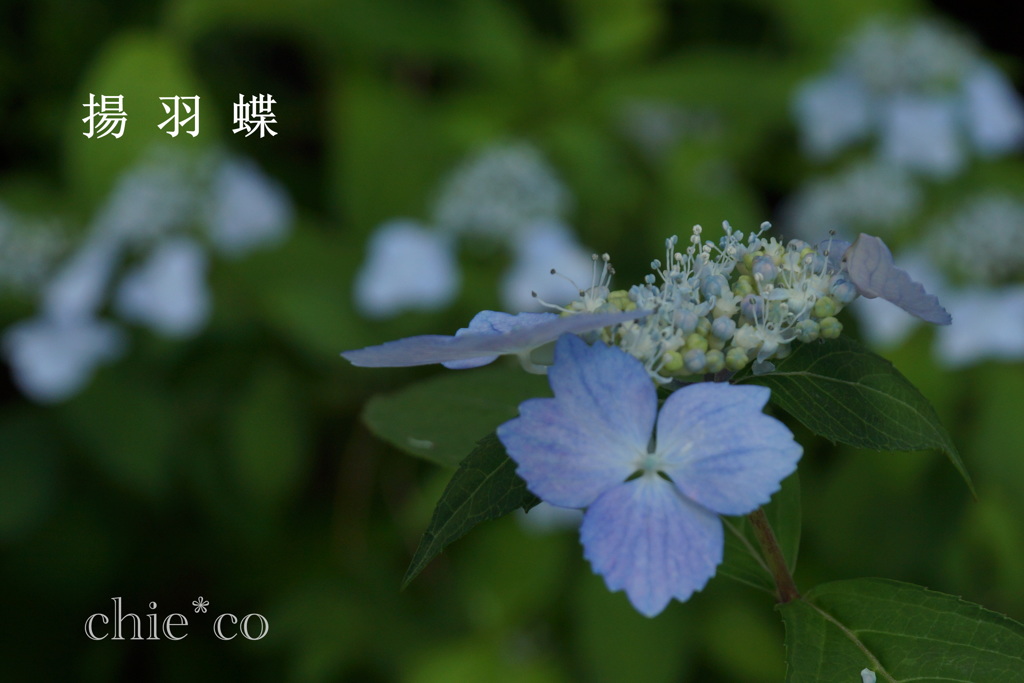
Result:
[[235, 466]]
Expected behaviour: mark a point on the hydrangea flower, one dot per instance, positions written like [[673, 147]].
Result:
[[53, 357], [924, 90], [982, 240], [245, 209], [499, 192], [168, 290], [506, 197], [867, 195], [156, 215], [720, 306], [653, 484], [716, 308], [407, 267], [490, 334], [29, 249]]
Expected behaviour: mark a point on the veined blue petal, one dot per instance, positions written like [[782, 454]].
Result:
[[432, 348], [721, 450], [647, 539], [589, 438], [870, 266]]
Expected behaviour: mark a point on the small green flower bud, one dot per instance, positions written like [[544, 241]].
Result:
[[715, 361], [830, 328], [704, 327], [672, 362], [825, 307], [736, 359], [620, 300], [697, 341]]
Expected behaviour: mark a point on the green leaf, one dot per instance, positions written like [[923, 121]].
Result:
[[743, 560], [484, 487], [441, 419], [845, 393], [900, 631]]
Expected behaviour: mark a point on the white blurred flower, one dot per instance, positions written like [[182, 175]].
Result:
[[499, 192], [52, 357], [987, 324], [920, 55], [982, 240], [923, 88], [869, 196], [920, 133], [79, 286], [168, 290], [157, 196], [407, 267], [833, 112], [28, 251], [545, 246], [994, 112], [246, 209]]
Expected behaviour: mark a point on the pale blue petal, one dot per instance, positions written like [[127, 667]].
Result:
[[495, 322], [721, 450], [591, 436], [605, 385], [433, 348], [645, 538]]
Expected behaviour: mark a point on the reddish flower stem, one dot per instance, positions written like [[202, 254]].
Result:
[[785, 588]]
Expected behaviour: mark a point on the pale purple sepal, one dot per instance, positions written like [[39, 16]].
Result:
[[871, 269]]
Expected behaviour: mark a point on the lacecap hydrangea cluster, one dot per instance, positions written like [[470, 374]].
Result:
[[719, 307]]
